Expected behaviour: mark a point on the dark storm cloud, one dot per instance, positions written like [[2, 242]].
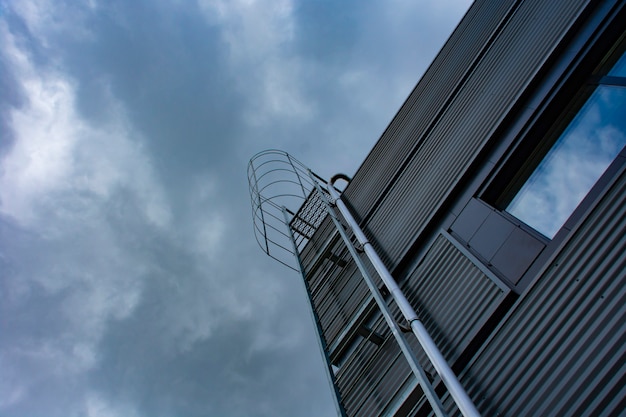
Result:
[[216, 376], [167, 65], [131, 282]]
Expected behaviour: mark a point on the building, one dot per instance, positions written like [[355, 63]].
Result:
[[496, 199]]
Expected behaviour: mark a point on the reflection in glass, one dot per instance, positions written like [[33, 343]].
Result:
[[573, 165], [619, 69]]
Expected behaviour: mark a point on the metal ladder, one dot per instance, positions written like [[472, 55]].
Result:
[[290, 181]]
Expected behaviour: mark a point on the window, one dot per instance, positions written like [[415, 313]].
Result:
[[580, 155], [574, 164], [555, 162]]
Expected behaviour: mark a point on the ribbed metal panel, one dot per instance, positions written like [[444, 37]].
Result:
[[338, 291], [562, 349], [436, 87], [338, 295], [374, 377], [373, 380], [499, 78], [453, 296], [315, 245], [337, 306]]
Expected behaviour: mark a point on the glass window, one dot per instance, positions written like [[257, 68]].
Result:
[[579, 157], [573, 165], [619, 70]]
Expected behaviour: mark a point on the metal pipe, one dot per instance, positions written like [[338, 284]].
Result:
[[414, 364], [462, 400]]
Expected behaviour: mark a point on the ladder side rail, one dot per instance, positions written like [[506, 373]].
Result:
[[412, 360], [321, 343], [456, 390]]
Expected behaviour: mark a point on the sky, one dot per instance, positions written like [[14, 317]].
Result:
[[130, 280], [582, 153]]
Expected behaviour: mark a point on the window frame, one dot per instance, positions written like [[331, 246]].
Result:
[[538, 178], [550, 122]]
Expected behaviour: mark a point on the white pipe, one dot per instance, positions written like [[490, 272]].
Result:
[[463, 401], [417, 369]]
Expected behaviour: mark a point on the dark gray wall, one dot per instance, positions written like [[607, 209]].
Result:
[[561, 351], [477, 80]]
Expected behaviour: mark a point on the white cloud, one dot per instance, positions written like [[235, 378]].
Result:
[[45, 17], [57, 180], [252, 28], [55, 150], [258, 34], [97, 406], [205, 224]]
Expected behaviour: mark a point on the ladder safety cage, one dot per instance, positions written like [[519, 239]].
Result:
[[277, 180]]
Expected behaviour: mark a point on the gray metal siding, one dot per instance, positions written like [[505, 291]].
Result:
[[338, 296], [453, 296], [421, 107], [372, 378], [464, 126], [562, 349], [375, 376]]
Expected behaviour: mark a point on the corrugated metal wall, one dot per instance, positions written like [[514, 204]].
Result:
[[337, 288], [374, 377], [453, 64], [453, 297], [448, 134], [562, 349]]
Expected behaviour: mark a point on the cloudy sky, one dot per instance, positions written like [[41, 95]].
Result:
[[130, 280]]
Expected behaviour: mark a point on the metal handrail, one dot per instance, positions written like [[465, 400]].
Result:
[[457, 392], [414, 364]]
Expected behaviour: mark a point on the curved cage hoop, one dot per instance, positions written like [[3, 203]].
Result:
[[277, 180]]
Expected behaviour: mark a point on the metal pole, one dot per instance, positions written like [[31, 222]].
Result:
[[462, 400], [417, 369]]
